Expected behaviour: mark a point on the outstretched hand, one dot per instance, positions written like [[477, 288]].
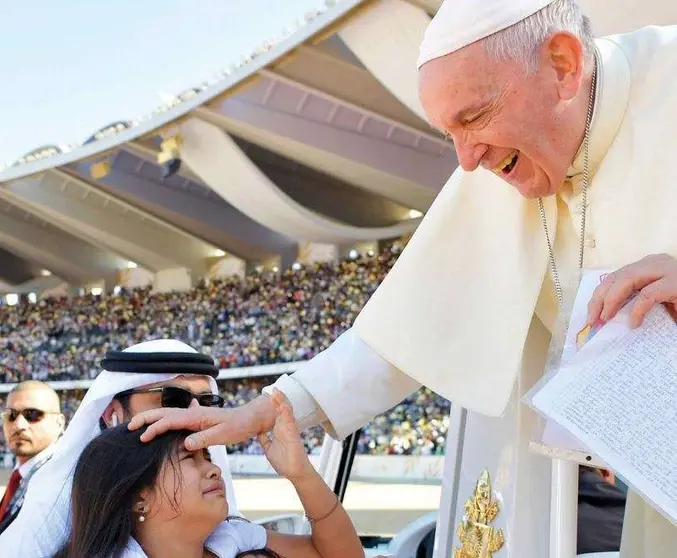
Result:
[[283, 446], [212, 426], [653, 279]]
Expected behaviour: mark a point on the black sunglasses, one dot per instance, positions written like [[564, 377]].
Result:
[[177, 397], [31, 415]]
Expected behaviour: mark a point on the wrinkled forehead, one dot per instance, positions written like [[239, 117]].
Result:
[[196, 383], [462, 80]]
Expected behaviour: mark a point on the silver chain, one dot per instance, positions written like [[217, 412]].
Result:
[[584, 192]]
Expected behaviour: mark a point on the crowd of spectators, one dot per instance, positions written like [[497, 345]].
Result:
[[263, 318], [260, 319]]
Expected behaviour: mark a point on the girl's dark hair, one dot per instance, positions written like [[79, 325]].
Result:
[[111, 471]]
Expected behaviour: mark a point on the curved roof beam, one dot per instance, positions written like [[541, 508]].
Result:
[[217, 159], [77, 207], [64, 255], [386, 39], [181, 199], [317, 68], [335, 137]]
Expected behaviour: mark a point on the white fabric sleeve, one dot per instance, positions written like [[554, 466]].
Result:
[[344, 387]]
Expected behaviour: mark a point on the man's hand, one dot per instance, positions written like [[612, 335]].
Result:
[[653, 279], [212, 426]]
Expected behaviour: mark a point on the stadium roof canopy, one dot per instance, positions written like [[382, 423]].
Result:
[[316, 137]]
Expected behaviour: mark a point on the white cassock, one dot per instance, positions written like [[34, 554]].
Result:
[[468, 307], [43, 524]]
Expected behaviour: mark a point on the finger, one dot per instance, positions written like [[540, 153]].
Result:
[[626, 282], [173, 419], [286, 414], [277, 398], [213, 436], [597, 301], [651, 295], [147, 417], [616, 297], [264, 440], [197, 441], [158, 428]]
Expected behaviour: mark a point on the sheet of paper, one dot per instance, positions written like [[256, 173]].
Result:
[[554, 435], [617, 394]]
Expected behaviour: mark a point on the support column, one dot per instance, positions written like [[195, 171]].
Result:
[[63, 290], [134, 278], [226, 266], [173, 279], [312, 252]]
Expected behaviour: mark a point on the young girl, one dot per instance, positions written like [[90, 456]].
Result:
[[158, 500]]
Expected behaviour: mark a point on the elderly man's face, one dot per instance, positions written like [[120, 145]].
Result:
[[522, 127]]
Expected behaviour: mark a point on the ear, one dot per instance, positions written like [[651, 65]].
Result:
[[143, 501], [564, 54], [114, 408]]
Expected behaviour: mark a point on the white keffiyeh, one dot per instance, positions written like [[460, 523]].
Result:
[[43, 524]]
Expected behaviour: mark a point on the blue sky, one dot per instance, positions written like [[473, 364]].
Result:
[[69, 68]]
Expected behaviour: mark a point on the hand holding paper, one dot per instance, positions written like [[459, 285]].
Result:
[[653, 278], [617, 394]]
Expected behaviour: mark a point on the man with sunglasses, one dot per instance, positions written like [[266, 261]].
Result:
[[179, 393], [32, 423], [150, 375]]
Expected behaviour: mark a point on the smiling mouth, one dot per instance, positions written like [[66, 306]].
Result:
[[504, 168]]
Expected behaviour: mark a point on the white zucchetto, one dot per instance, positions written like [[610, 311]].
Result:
[[459, 23]]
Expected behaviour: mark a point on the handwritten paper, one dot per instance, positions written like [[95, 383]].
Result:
[[617, 395], [556, 440]]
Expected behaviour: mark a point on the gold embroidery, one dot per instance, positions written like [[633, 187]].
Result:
[[478, 537]]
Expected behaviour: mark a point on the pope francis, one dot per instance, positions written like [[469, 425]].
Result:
[[566, 149]]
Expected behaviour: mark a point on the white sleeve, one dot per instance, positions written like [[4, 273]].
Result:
[[344, 387]]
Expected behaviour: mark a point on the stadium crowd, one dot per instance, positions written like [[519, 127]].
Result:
[[260, 319], [263, 318]]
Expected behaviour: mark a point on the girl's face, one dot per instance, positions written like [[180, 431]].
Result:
[[189, 488]]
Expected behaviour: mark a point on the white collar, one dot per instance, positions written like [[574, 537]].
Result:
[[34, 462], [611, 101]]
